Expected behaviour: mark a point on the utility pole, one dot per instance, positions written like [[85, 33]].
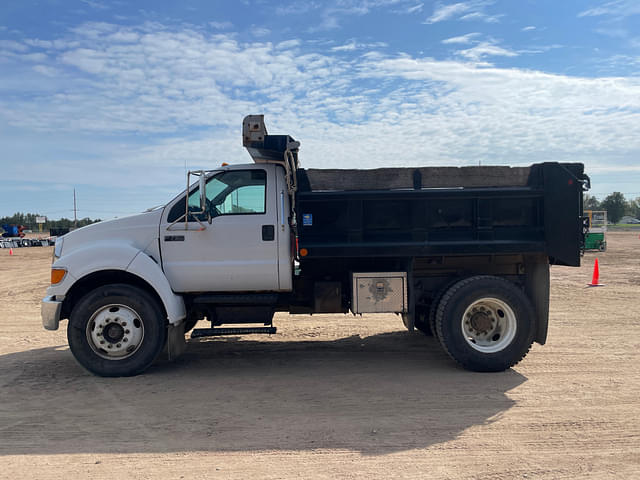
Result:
[[75, 210]]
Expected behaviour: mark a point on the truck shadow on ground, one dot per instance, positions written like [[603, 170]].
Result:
[[376, 395]]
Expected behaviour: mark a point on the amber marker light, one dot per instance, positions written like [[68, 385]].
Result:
[[57, 274], [304, 252]]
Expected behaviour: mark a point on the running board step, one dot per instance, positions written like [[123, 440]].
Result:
[[216, 332]]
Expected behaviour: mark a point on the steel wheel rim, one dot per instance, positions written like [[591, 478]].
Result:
[[489, 325], [115, 332]]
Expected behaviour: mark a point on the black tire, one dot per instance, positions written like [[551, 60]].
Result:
[[499, 322], [433, 308], [116, 303]]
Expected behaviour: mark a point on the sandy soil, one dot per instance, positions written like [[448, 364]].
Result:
[[332, 396]]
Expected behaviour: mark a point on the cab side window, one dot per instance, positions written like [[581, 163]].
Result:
[[237, 192]]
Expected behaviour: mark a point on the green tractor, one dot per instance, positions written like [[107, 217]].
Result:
[[596, 236]]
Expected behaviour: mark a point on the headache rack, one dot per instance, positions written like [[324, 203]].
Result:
[[278, 149]]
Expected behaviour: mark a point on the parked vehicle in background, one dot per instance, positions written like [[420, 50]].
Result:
[[461, 253], [595, 239], [629, 220], [13, 231]]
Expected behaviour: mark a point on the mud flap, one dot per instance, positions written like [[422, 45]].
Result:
[[537, 289], [176, 344]]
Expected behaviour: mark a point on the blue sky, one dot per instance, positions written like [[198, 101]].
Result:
[[117, 98]]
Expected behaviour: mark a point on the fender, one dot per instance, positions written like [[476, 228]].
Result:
[[118, 255], [144, 267]]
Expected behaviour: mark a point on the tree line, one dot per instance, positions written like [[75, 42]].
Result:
[[29, 221], [615, 204]]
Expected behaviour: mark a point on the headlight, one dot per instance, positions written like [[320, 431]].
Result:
[[57, 250]]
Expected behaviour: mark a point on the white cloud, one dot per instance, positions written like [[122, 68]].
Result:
[[446, 12], [95, 5], [38, 43], [88, 60], [415, 8], [34, 57], [480, 16], [183, 94], [288, 44], [332, 12], [13, 46], [352, 45], [45, 70], [462, 39], [347, 47], [617, 9], [486, 49], [123, 36], [221, 25], [528, 28], [612, 32], [260, 31], [467, 10]]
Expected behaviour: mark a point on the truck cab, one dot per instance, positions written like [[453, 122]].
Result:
[[247, 244]]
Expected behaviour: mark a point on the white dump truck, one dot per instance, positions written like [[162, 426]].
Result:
[[459, 253]]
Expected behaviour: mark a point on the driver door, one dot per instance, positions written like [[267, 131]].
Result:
[[238, 250]]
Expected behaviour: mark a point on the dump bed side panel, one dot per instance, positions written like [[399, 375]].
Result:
[[532, 210]]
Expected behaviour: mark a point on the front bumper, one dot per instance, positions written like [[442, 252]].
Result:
[[50, 312]]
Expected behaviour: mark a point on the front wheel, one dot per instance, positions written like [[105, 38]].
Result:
[[116, 330], [485, 323]]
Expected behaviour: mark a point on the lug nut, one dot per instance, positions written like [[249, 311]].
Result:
[[119, 345], [125, 339]]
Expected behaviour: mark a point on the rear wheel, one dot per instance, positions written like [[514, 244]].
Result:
[[485, 323], [433, 309], [116, 330]]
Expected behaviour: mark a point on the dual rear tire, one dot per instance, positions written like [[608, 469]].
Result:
[[485, 323]]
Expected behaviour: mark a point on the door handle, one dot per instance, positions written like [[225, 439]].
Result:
[[268, 233]]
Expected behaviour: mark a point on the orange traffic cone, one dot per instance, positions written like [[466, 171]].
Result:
[[11, 251], [595, 280]]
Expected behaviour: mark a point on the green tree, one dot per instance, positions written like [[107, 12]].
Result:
[[633, 207], [591, 203], [29, 221], [615, 205]]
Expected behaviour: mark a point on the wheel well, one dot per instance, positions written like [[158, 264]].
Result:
[[105, 277]]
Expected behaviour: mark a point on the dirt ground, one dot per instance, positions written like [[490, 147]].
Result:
[[332, 396]]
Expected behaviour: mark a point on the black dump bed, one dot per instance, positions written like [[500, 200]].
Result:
[[416, 212]]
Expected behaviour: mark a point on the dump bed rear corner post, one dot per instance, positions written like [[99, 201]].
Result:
[[537, 289]]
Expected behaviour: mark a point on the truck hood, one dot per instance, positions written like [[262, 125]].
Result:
[[138, 231]]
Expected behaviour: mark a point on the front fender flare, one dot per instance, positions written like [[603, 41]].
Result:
[[144, 267]]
